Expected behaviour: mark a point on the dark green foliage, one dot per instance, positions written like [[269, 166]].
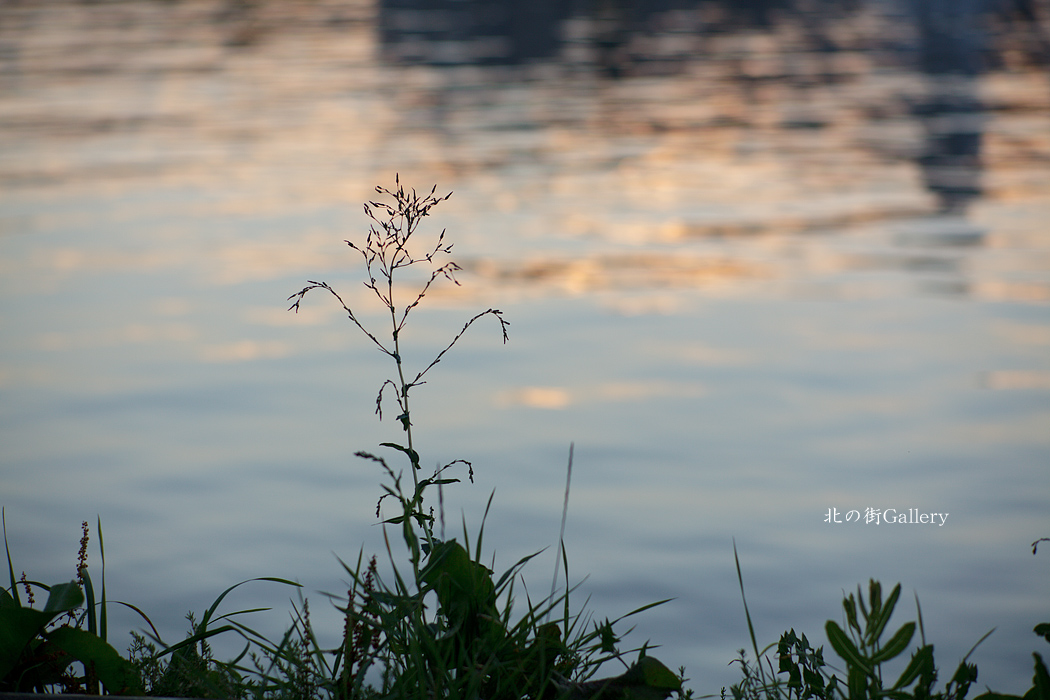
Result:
[[804, 667], [864, 651], [48, 649]]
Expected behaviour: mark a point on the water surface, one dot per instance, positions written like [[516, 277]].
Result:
[[757, 264]]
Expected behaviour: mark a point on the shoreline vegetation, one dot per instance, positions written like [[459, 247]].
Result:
[[428, 618]]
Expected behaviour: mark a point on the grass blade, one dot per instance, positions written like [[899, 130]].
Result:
[[564, 517], [103, 621], [747, 613], [10, 566], [89, 595]]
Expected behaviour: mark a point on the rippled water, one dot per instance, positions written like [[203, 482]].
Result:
[[756, 266]]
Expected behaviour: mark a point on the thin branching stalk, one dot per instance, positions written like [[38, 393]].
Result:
[[385, 253]]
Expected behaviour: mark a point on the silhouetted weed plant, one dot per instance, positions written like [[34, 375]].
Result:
[[388, 251], [445, 625]]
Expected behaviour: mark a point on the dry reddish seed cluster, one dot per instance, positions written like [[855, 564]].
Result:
[[82, 554]]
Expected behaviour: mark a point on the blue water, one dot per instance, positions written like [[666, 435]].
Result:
[[743, 302]]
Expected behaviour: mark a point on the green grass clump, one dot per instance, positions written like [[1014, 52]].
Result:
[[863, 648]]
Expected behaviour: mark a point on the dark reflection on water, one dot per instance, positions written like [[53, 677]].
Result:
[[950, 42], [621, 37], [950, 46]]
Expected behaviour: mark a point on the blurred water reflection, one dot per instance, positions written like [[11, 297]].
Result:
[[760, 259]]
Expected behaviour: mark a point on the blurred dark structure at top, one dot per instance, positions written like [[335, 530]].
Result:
[[950, 42], [957, 40], [509, 32], [952, 34]]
